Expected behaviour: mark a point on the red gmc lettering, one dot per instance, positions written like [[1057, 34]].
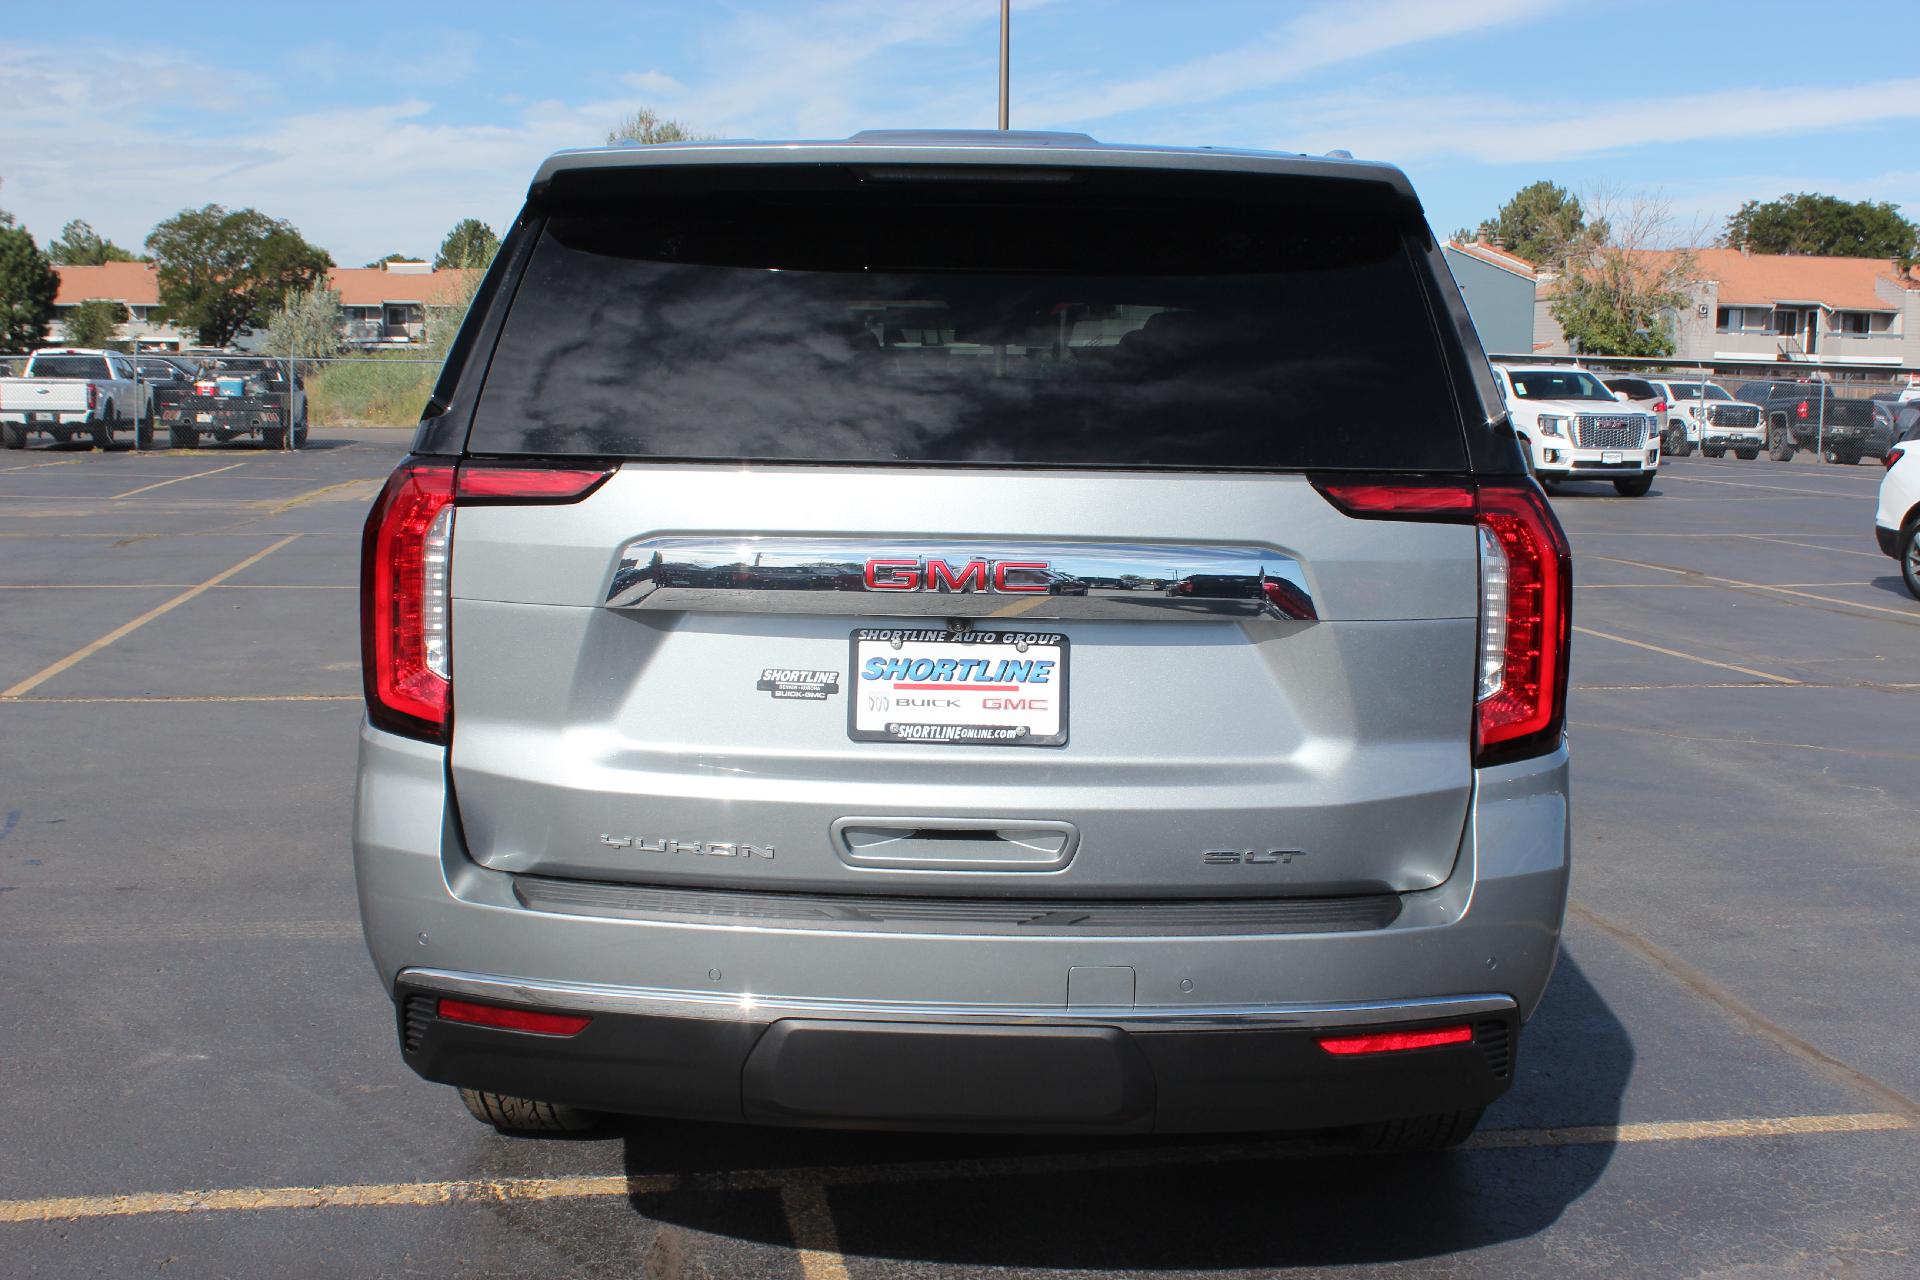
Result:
[[1013, 704], [1001, 568], [941, 577], [893, 575]]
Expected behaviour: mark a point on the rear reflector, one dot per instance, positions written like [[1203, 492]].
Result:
[[1395, 1041], [1396, 500], [506, 1018], [521, 485]]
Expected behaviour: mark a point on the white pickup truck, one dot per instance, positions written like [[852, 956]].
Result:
[[1573, 428], [71, 391]]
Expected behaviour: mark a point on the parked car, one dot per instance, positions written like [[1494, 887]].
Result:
[[1702, 415], [843, 857], [1812, 415], [1896, 523], [240, 396], [1573, 428], [76, 391], [1640, 393]]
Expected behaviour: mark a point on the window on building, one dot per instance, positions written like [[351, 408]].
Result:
[[1744, 320], [1862, 323]]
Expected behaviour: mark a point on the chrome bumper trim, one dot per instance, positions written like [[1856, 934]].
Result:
[[743, 1007]]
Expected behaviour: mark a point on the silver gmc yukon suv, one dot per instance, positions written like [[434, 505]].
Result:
[[943, 631]]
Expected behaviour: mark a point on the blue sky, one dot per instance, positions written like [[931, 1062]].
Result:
[[374, 127]]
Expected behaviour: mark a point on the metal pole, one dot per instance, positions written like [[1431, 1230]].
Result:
[[1006, 21], [136, 393]]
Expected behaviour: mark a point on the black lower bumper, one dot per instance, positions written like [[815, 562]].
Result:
[[1889, 540], [971, 1077]]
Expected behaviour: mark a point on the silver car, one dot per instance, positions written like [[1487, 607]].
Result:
[[767, 720]]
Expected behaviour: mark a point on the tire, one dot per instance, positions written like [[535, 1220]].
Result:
[[1709, 452], [1782, 448], [143, 433], [274, 437], [300, 433], [182, 438], [1909, 549], [1418, 1133], [1634, 487], [1840, 457], [1747, 455], [103, 430], [509, 1114], [15, 436], [1674, 443]]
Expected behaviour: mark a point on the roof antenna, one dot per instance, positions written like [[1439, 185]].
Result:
[[1005, 22]]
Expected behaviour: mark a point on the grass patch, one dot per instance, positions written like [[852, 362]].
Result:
[[374, 390]]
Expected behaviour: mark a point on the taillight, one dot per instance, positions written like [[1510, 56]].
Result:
[[1526, 599], [1892, 455], [93, 396], [403, 601], [1659, 406], [406, 638], [509, 1018], [1800, 410], [1398, 1041]]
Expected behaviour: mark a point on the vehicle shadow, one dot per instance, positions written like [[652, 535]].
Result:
[[1892, 584], [1213, 1202]]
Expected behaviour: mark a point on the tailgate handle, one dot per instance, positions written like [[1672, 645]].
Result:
[[955, 844]]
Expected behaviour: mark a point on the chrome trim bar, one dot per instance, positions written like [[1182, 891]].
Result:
[[746, 1007], [959, 578]]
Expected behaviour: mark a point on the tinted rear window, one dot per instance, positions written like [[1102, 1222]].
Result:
[[1071, 319], [69, 367]]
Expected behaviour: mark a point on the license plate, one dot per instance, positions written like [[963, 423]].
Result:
[[1611, 455], [203, 417], [976, 688]]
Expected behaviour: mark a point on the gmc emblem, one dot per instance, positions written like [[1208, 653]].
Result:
[[1001, 577]]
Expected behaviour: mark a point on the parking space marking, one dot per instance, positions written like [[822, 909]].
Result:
[[1647, 731], [366, 488], [58, 462], [1774, 488], [177, 479], [815, 1238], [1675, 653], [86, 651], [1907, 615], [497, 1190], [1018, 607], [1755, 537]]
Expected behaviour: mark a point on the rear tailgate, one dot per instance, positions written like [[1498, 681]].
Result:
[[932, 414], [643, 743], [42, 395]]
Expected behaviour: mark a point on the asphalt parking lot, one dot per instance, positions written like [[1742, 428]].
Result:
[[199, 1074]]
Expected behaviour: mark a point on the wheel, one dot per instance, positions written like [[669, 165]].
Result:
[[1782, 445], [183, 438], [274, 437], [1747, 455], [103, 430], [1633, 486], [1713, 451], [300, 432], [1419, 1133], [509, 1114], [1840, 456], [143, 432], [16, 436], [1909, 549], [1674, 441]]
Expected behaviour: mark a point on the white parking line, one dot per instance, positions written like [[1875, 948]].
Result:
[[498, 1190], [815, 1238], [1755, 537], [1907, 614], [177, 479], [1675, 653]]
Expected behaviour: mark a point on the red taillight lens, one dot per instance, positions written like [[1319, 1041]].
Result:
[[1522, 705], [1800, 410], [403, 602], [1893, 455], [522, 485], [507, 1018], [1526, 606], [1659, 406], [93, 396], [1398, 1041]]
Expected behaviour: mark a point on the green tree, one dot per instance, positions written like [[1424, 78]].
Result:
[[1623, 297], [470, 244], [393, 257], [79, 245], [28, 284], [1808, 223], [307, 323], [222, 271], [648, 126], [92, 323], [1543, 223]]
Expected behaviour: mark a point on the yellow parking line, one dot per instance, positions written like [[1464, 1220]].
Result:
[[177, 479], [1018, 607], [1675, 653], [810, 1221], [495, 1190], [86, 651]]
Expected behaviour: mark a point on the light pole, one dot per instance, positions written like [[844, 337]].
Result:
[[1006, 19]]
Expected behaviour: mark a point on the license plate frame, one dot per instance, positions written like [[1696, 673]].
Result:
[[871, 713], [1612, 457]]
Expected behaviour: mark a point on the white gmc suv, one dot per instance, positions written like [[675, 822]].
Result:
[[1573, 428]]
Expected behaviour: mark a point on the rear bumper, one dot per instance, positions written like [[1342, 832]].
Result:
[[945, 1027], [1889, 540], [1106, 1072]]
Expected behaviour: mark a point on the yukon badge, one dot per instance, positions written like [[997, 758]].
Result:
[[699, 848]]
